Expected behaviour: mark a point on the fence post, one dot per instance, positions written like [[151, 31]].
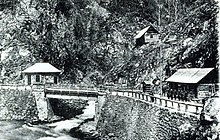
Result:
[[165, 103], [160, 102], [69, 89], [179, 106], [146, 96], [87, 95], [53, 90], [197, 109], [186, 109]]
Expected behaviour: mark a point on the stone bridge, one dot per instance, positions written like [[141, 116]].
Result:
[[42, 93]]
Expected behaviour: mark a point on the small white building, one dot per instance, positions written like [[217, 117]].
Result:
[[147, 35], [41, 73]]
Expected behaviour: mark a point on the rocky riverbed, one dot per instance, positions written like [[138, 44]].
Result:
[[81, 126]]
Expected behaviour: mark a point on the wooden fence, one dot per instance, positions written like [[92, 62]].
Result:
[[162, 101], [15, 87]]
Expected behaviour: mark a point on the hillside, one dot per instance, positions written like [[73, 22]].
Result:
[[93, 40]]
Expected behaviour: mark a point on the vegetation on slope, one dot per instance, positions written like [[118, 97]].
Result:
[[94, 40]]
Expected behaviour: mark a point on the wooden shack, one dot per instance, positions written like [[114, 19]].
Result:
[[192, 82], [41, 73], [147, 35]]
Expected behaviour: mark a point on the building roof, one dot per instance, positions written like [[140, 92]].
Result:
[[190, 75], [150, 29], [42, 68]]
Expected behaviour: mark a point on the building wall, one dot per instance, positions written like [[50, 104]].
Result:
[[140, 41], [43, 79], [155, 37], [129, 119]]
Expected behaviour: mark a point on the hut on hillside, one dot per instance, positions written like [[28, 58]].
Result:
[[147, 35], [41, 73], [190, 83]]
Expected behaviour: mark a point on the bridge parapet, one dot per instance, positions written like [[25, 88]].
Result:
[[189, 107], [70, 87], [15, 87], [72, 92]]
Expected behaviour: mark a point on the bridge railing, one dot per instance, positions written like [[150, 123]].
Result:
[[15, 87], [70, 86], [162, 101]]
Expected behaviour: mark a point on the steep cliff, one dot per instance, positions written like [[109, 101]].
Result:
[[93, 41]]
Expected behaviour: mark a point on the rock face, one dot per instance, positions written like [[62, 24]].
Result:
[[210, 126], [125, 119], [17, 105]]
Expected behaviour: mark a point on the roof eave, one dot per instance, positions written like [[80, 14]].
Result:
[[41, 72]]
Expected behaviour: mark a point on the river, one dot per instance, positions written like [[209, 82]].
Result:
[[18, 130]]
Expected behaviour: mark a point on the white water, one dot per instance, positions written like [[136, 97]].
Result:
[[16, 130]]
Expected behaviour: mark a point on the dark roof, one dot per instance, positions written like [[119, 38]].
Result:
[[149, 29], [190, 75]]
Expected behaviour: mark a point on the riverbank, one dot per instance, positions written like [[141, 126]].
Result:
[[81, 126], [79, 114], [87, 128]]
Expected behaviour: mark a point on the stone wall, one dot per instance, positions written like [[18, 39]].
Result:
[[125, 118], [17, 105]]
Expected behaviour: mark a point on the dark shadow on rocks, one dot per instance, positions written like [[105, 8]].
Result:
[[67, 108]]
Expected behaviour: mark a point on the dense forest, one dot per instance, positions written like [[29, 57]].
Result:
[[92, 41]]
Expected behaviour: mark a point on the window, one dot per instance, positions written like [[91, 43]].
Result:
[[55, 80], [151, 36], [37, 78], [29, 79]]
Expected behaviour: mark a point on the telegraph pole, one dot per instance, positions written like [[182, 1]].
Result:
[[161, 57]]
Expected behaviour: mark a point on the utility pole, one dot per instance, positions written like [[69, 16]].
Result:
[[161, 57]]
